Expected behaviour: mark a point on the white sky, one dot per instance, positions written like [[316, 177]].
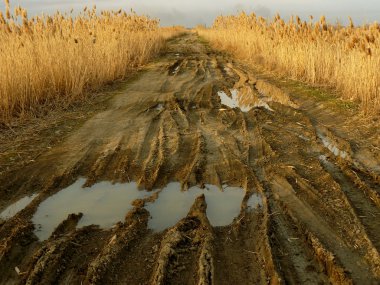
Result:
[[192, 12]]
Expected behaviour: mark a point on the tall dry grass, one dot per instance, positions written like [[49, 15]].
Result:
[[50, 60], [347, 58]]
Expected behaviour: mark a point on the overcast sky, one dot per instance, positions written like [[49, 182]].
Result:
[[192, 12]]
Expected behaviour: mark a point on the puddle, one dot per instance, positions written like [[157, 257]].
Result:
[[255, 201], [323, 158], [103, 204], [160, 107], [302, 137], [13, 209], [333, 147], [173, 204], [237, 101], [232, 102], [222, 207], [263, 105]]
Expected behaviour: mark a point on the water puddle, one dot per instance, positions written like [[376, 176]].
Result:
[[263, 104], [255, 201], [173, 204], [238, 101], [13, 209], [103, 204], [160, 107], [328, 143]]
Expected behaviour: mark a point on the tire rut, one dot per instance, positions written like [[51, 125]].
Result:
[[196, 120]]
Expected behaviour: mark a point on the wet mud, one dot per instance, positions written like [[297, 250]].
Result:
[[200, 171]]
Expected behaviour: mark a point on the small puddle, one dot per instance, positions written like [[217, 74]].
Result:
[[233, 101], [13, 209], [103, 204], [237, 101], [160, 107], [332, 147], [173, 204], [255, 201]]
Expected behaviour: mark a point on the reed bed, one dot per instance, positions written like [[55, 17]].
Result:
[[46, 61], [344, 57]]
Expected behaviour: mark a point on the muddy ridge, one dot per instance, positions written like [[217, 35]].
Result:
[[199, 172]]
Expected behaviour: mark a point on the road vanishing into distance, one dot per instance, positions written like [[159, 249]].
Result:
[[199, 171]]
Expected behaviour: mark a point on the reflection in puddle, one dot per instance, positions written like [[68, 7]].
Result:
[[238, 101], [103, 204], [13, 209], [255, 201], [173, 204]]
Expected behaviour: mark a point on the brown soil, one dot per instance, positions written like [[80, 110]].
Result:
[[320, 218]]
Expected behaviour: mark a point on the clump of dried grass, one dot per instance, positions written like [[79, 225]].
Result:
[[347, 58]]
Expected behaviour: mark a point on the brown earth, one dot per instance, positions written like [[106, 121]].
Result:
[[320, 218]]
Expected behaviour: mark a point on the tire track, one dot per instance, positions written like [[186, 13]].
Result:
[[314, 221]]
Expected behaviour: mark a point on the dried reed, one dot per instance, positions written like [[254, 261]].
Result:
[[347, 58], [51, 60]]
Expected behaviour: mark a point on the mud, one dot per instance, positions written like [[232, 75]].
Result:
[[172, 184]]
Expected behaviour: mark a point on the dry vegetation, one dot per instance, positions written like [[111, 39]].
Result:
[[51, 60], [347, 58]]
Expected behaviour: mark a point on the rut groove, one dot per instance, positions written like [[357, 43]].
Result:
[[315, 220]]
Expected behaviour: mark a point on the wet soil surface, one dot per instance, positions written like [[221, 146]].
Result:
[[200, 172]]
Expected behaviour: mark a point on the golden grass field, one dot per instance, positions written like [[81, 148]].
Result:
[[50, 60], [343, 57]]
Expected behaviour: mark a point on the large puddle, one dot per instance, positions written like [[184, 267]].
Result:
[[173, 204], [105, 204], [244, 103], [13, 209]]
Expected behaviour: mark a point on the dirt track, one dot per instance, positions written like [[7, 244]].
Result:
[[316, 174]]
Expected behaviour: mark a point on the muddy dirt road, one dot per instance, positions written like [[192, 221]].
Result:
[[199, 172]]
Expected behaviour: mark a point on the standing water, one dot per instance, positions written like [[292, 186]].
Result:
[[13, 209], [173, 204], [103, 204]]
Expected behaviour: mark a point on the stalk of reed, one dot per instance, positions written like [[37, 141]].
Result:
[[347, 58], [51, 60]]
